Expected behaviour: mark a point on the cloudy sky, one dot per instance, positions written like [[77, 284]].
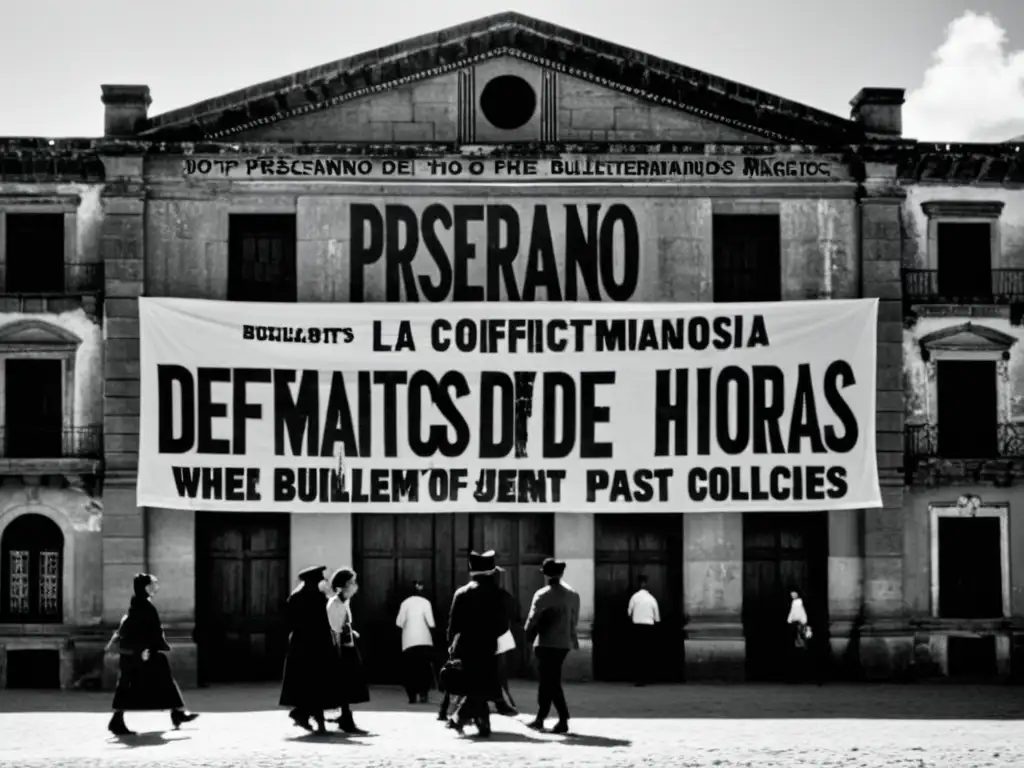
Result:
[[961, 61]]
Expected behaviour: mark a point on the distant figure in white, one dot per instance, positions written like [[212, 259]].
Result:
[[643, 613], [416, 620], [801, 634]]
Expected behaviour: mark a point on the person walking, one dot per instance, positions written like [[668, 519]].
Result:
[[416, 621], [803, 663], [506, 705], [475, 622], [644, 615], [145, 681], [551, 628], [310, 666], [352, 687]]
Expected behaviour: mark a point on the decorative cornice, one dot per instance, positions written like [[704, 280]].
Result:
[[976, 209]]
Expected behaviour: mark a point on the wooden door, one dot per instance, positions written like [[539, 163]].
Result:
[[34, 408], [242, 587], [392, 550], [747, 257], [389, 552], [628, 546], [968, 409], [520, 543], [781, 551]]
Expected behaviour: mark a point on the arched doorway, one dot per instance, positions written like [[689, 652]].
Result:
[[32, 558]]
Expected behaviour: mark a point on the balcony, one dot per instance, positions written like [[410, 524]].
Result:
[[1000, 464], [26, 450], [1004, 288], [80, 285]]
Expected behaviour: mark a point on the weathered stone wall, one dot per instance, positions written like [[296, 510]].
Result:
[[590, 112], [431, 110], [917, 253], [187, 253], [418, 112]]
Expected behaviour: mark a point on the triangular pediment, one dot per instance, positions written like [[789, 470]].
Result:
[[443, 73], [37, 332], [967, 337]]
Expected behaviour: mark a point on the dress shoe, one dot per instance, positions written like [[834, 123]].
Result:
[[348, 725], [562, 726], [537, 725], [181, 716], [117, 727]]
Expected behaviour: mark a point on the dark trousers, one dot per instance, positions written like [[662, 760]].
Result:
[[418, 671], [644, 653], [549, 669]]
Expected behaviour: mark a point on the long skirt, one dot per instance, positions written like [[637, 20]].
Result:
[[418, 672], [146, 685], [352, 686]]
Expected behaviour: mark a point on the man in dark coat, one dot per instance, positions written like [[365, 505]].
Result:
[[476, 620], [551, 623], [308, 684], [145, 681]]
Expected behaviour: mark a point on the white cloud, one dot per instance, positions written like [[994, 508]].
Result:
[[974, 89]]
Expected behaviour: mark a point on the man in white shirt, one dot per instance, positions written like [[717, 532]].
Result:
[[643, 613], [416, 620]]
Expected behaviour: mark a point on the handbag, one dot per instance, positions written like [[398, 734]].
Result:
[[452, 677], [506, 643]]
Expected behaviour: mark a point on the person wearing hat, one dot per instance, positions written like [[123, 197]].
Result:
[[310, 664], [475, 622], [416, 622], [551, 628], [145, 681]]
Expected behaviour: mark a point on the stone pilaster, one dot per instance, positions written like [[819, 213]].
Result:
[[574, 543], [886, 645], [713, 589], [122, 249]]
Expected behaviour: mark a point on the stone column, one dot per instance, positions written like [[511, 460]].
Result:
[[845, 586], [574, 543], [122, 248], [713, 589], [887, 642]]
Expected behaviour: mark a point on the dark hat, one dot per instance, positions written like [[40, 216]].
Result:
[[552, 567], [313, 573], [481, 564]]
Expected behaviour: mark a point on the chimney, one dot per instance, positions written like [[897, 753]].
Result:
[[126, 107], [879, 110]]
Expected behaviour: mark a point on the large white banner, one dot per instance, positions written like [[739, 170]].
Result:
[[508, 407]]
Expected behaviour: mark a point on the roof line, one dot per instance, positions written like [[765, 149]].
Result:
[[497, 22]]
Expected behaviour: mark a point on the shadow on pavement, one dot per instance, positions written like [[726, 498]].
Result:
[[502, 737], [146, 739], [883, 701], [331, 737], [588, 740]]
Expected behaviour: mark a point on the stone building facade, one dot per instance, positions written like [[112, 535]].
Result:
[[735, 195]]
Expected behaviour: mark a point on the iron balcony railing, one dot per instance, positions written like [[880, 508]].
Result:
[[31, 442], [922, 442], [923, 286]]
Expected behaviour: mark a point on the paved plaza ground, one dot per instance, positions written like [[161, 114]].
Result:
[[835, 726]]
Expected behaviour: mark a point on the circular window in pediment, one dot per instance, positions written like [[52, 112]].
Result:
[[508, 102]]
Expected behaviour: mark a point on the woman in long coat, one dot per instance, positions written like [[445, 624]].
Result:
[[476, 620], [310, 665], [145, 681], [351, 679]]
